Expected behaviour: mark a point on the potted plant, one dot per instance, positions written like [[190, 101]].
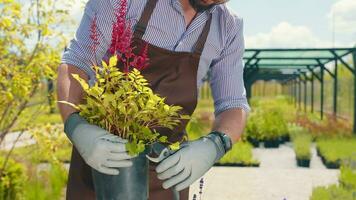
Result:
[[272, 126], [302, 144], [253, 135]]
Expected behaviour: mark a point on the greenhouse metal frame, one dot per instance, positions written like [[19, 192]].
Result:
[[294, 67]]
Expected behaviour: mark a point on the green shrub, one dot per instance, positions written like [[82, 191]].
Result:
[[332, 192], [295, 130], [196, 128], [335, 150], [272, 125], [241, 153], [47, 184], [268, 119], [32, 153], [345, 190], [347, 177], [301, 145], [252, 130], [12, 180]]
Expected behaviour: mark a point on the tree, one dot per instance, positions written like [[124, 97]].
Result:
[[31, 43]]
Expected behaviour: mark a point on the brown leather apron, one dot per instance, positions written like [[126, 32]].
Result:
[[170, 74]]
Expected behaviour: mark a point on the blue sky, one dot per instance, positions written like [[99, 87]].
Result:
[[287, 23], [308, 18]]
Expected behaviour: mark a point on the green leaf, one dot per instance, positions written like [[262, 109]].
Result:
[[134, 148], [82, 82], [163, 139], [175, 146], [113, 61], [185, 117]]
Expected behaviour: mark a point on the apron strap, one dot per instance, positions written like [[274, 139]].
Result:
[[199, 45], [141, 25]]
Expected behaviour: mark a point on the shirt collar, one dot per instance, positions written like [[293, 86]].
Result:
[[210, 10]]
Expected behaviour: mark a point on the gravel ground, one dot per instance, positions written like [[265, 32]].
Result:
[[277, 178]]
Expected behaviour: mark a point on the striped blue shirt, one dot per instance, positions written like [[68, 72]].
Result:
[[222, 54]]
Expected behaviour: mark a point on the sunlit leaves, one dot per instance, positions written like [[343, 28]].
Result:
[[30, 47], [174, 146], [49, 138]]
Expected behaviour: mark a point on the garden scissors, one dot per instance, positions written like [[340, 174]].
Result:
[[162, 152]]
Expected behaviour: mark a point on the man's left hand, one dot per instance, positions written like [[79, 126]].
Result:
[[189, 163]]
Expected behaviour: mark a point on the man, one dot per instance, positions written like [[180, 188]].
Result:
[[186, 38]]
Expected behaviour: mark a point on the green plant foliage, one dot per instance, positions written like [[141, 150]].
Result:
[[335, 150], [273, 124], [294, 130], [31, 43], [252, 126], [52, 144], [332, 192], [12, 180], [301, 141], [241, 153], [51, 148], [47, 184], [348, 174], [125, 105], [345, 190], [301, 145], [268, 118], [195, 128]]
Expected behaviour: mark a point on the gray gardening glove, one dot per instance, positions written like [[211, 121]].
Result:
[[100, 149], [189, 163]]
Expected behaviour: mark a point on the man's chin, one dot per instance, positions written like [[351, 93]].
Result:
[[199, 6]]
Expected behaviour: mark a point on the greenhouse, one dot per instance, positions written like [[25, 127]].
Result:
[[299, 70]]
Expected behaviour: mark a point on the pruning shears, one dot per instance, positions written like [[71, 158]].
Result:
[[160, 152]]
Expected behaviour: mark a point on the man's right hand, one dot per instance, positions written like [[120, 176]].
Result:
[[100, 149]]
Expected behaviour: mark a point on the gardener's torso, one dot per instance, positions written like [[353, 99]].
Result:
[[168, 29], [171, 74]]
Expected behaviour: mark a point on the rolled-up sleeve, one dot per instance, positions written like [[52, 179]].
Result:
[[226, 75], [79, 52]]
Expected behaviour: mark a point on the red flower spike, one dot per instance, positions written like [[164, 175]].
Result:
[[121, 41], [94, 36], [118, 27], [140, 62]]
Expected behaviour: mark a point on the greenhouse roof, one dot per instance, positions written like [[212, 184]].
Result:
[[293, 59]]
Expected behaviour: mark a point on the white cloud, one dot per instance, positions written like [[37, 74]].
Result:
[[77, 9], [285, 35], [344, 12]]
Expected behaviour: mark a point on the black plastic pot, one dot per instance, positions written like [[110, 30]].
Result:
[[283, 139], [254, 142], [303, 162], [329, 164], [130, 184], [237, 164], [271, 143]]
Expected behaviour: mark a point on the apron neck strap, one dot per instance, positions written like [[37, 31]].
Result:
[[199, 45], [141, 25]]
